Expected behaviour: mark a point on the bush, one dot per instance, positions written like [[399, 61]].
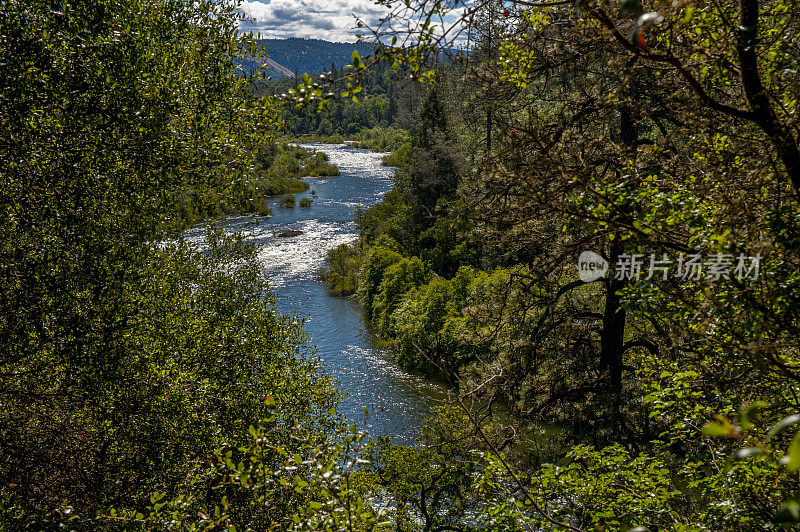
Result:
[[318, 166], [371, 274], [127, 356], [206, 344], [261, 207], [287, 202], [281, 185], [429, 325], [341, 274], [380, 138], [398, 157], [252, 485], [278, 171], [391, 218], [398, 279], [418, 320], [305, 202]]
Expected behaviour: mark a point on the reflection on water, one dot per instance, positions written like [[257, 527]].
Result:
[[349, 351]]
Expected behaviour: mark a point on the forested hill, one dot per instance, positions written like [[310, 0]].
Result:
[[309, 55]]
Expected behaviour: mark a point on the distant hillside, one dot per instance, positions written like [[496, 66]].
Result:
[[278, 70], [308, 55]]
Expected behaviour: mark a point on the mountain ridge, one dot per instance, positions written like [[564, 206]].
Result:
[[295, 55]]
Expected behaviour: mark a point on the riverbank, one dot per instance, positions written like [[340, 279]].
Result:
[[292, 248], [376, 139], [281, 169]]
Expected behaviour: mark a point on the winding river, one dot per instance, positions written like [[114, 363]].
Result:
[[350, 352]]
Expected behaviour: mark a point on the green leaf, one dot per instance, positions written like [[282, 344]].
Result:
[[750, 412], [792, 457], [716, 429], [641, 228]]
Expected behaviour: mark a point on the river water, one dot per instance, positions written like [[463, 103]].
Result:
[[364, 371]]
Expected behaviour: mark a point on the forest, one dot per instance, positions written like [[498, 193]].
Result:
[[309, 55], [593, 241]]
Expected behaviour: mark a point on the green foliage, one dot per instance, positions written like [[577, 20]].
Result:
[[428, 324], [624, 492], [764, 447], [279, 168], [398, 278], [448, 244], [379, 101], [425, 483], [380, 139], [391, 219], [283, 164], [314, 164], [287, 202], [205, 344], [582, 135], [375, 263], [306, 202], [399, 156], [282, 477], [128, 355], [341, 273], [133, 363], [432, 175]]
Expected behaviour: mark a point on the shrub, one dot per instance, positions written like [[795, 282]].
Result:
[[305, 202], [418, 319], [341, 275], [428, 322], [378, 259], [399, 156], [261, 208], [398, 279], [287, 202], [381, 138], [390, 218]]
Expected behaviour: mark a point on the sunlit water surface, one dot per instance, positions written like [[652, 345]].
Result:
[[365, 373]]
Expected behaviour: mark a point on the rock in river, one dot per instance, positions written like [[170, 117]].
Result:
[[288, 233]]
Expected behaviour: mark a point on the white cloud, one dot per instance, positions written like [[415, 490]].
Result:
[[331, 20]]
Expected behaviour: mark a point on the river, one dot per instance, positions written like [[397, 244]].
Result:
[[350, 352]]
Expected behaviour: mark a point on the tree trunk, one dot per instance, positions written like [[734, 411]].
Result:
[[612, 336], [764, 115]]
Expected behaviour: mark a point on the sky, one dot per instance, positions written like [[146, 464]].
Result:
[[330, 20]]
